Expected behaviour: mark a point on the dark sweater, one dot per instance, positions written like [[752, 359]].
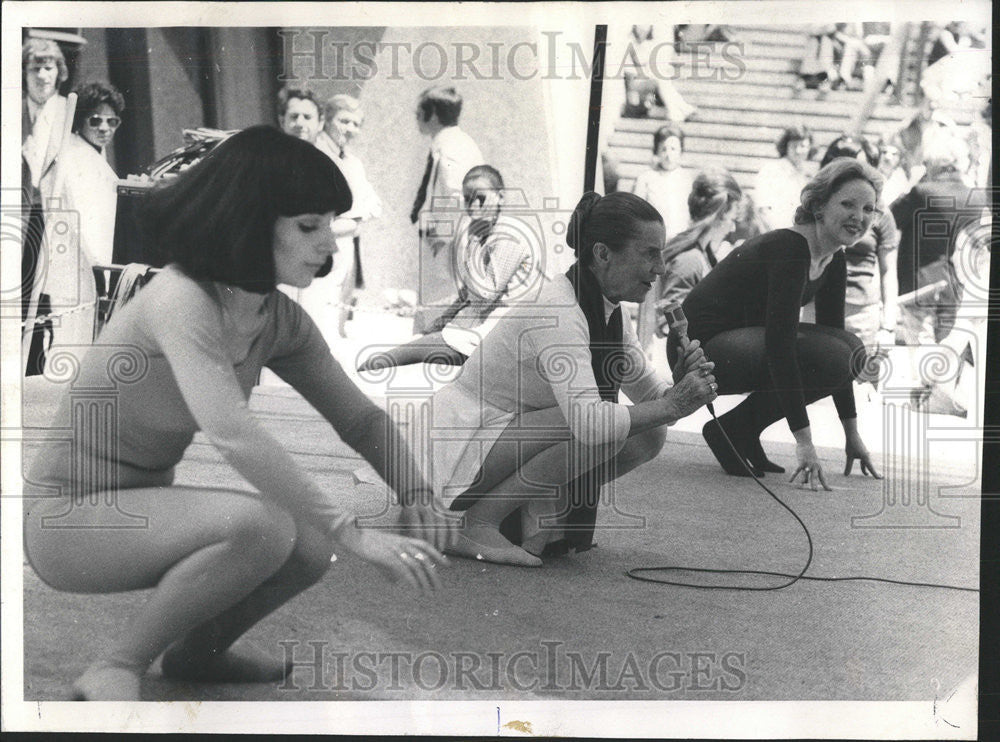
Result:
[[764, 283], [929, 217]]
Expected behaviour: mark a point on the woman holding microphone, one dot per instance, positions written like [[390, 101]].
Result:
[[533, 421]]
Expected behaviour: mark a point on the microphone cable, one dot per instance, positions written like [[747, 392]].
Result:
[[648, 574]]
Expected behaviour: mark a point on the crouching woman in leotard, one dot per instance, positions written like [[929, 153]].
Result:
[[256, 212], [533, 422], [746, 312]]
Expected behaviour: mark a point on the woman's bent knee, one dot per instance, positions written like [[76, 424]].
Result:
[[646, 446], [312, 554], [263, 532]]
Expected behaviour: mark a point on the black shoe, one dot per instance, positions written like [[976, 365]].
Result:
[[754, 453], [732, 462]]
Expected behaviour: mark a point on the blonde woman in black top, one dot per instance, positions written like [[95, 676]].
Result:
[[745, 312]]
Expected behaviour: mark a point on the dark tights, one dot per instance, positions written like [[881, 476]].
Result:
[[829, 360]]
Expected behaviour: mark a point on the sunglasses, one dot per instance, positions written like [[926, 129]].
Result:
[[112, 121]]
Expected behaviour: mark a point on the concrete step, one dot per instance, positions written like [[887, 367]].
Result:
[[735, 164], [766, 132], [771, 35], [774, 121], [644, 143], [731, 75], [745, 181], [732, 61], [804, 106], [781, 92], [632, 162], [715, 53]]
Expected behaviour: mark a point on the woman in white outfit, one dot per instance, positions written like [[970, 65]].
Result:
[[88, 197], [533, 423]]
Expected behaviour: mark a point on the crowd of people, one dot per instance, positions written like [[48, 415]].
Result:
[[263, 250]]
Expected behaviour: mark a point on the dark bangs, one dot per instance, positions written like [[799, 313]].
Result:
[[310, 184], [216, 220]]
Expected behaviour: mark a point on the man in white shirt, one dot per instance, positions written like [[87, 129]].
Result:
[[438, 205]]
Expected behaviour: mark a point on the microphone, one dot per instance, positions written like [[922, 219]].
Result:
[[678, 325], [676, 321]]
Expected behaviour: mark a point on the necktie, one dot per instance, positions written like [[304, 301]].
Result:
[[422, 191]]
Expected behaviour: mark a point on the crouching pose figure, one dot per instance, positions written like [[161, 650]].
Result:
[[254, 213], [533, 425]]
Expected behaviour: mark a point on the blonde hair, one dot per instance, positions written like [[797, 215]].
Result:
[[340, 102], [943, 150], [821, 188]]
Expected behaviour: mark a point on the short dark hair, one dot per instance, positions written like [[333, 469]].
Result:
[[850, 146], [217, 219], [444, 101], [664, 133], [613, 219], [90, 97], [286, 95], [792, 134], [821, 188]]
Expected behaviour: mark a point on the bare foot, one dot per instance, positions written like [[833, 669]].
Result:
[[483, 541], [103, 681], [241, 663]]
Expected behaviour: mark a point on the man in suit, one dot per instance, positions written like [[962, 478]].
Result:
[[43, 114], [438, 204]]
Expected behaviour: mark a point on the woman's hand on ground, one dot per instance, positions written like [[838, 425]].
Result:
[[403, 559], [855, 449], [421, 520], [808, 466]]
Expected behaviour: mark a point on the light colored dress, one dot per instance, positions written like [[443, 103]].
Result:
[[536, 358]]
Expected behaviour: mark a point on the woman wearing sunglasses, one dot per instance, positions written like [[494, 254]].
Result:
[[88, 198]]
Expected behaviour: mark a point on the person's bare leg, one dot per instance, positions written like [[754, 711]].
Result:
[[203, 551], [532, 474], [430, 348], [205, 653]]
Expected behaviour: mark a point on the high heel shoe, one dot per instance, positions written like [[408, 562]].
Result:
[[470, 544], [732, 463]]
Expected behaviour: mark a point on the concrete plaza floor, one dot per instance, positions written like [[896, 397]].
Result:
[[579, 628]]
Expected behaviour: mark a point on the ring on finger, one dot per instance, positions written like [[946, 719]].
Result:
[[419, 557]]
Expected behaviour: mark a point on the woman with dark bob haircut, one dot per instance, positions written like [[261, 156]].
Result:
[[183, 357], [532, 426], [746, 314]]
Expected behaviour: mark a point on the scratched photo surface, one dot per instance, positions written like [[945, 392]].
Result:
[[786, 611]]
